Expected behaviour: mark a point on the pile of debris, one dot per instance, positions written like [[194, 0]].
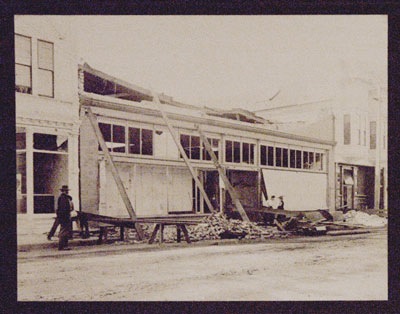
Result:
[[353, 217], [218, 226]]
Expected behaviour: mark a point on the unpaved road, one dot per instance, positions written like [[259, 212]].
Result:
[[335, 268]]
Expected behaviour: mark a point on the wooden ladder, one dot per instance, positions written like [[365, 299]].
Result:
[[228, 185], [117, 178]]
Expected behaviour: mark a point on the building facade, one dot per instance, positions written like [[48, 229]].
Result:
[[47, 120], [356, 120], [154, 174]]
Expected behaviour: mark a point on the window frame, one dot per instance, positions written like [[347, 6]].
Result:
[[44, 69], [24, 65]]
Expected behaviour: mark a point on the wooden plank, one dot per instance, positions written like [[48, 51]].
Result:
[[185, 233], [156, 100], [154, 234], [114, 171], [161, 232], [224, 178], [178, 233]]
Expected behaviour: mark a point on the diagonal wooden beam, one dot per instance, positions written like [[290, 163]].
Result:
[[221, 172], [156, 100], [117, 178]]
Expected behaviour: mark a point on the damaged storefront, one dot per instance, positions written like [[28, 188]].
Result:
[[147, 151]]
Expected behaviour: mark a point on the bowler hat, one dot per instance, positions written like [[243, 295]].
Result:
[[64, 188]]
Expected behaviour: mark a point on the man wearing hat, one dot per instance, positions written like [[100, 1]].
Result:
[[64, 208]]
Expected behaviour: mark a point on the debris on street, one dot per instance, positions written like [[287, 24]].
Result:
[[360, 218]]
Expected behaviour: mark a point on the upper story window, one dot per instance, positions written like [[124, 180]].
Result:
[[346, 129], [45, 68], [23, 64], [139, 140], [239, 152], [195, 148]]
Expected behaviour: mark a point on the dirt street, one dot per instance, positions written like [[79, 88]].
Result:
[[332, 268]]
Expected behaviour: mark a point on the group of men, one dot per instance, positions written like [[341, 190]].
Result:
[[275, 203]]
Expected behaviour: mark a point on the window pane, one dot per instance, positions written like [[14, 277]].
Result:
[[318, 163], [134, 141], [21, 174], [372, 132], [263, 155], [23, 77], [20, 138], [195, 147], [22, 50], [236, 152], [346, 130], [292, 158], [311, 160], [252, 153], [298, 159], [270, 156], [147, 142], [105, 129], [119, 138], [285, 157], [45, 55], [278, 156], [245, 153], [228, 151], [45, 83], [215, 147], [185, 142], [305, 160]]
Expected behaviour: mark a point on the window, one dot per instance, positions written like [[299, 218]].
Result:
[[191, 146], [372, 135], [114, 136], [285, 157], [239, 152], [292, 158], [298, 159], [318, 161], [140, 141], [214, 146], [271, 158], [228, 151], [278, 156], [23, 64], [45, 69], [248, 153], [50, 142], [263, 155], [346, 130], [305, 160]]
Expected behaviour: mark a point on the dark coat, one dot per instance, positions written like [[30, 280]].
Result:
[[64, 208]]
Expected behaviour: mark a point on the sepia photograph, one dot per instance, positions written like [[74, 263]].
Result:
[[201, 157]]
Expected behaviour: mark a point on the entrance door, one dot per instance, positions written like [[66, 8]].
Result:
[[210, 181], [348, 197]]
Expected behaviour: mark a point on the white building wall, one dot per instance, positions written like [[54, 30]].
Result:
[[57, 115]]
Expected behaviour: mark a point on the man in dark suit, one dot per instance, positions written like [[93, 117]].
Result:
[[64, 208]]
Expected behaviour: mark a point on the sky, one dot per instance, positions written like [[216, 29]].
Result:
[[234, 61]]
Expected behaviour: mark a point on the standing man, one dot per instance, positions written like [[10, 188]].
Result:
[[64, 208], [281, 203]]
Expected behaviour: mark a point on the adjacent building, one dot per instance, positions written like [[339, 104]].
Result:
[[355, 118], [47, 120]]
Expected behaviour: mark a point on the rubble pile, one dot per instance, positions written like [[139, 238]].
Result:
[[360, 218], [217, 226]]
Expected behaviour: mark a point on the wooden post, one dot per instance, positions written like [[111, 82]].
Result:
[[221, 172], [182, 151], [114, 171]]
